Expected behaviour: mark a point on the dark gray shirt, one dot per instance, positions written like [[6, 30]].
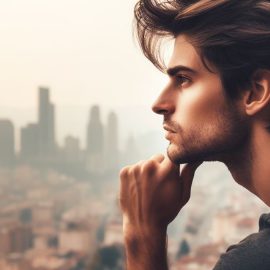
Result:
[[252, 253]]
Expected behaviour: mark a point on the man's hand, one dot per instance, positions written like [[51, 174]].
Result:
[[151, 195]]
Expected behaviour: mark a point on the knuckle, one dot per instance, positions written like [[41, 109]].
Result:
[[149, 166], [137, 169], [124, 172]]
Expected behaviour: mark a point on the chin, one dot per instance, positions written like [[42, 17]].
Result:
[[175, 155], [178, 156]]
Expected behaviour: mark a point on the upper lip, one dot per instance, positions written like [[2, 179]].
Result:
[[166, 127]]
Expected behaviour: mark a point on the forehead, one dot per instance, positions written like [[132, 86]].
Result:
[[185, 54]]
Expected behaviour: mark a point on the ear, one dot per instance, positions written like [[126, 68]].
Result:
[[257, 97]]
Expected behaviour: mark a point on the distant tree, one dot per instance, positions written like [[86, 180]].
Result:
[[80, 265], [183, 250], [107, 258]]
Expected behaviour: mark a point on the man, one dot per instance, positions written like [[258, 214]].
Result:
[[216, 107]]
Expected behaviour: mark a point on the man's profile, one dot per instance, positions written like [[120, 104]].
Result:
[[215, 107]]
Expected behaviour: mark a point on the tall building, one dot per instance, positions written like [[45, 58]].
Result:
[[30, 141], [72, 149], [7, 143], [111, 145], [46, 123], [95, 142]]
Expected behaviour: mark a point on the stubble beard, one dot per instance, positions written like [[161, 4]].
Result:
[[216, 141]]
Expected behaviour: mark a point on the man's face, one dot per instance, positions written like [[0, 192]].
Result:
[[201, 122]]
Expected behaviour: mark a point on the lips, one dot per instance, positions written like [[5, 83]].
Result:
[[167, 128]]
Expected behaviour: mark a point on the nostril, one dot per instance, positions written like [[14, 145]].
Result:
[[161, 108], [158, 109], [162, 111]]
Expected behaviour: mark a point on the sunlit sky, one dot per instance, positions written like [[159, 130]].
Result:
[[84, 52]]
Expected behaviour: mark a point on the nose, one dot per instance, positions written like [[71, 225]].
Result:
[[165, 103]]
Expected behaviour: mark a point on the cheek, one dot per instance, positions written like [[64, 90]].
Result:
[[198, 105]]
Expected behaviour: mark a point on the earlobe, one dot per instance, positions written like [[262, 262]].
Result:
[[257, 97]]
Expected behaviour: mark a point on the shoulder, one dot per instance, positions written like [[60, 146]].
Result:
[[251, 253]]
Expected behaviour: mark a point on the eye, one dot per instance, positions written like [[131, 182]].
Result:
[[181, 80]]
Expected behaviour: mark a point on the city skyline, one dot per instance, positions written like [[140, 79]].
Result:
[[41, 112], [132, 121], [102, 151], [38, 146]]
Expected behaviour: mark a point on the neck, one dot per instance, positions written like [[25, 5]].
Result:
[[250, 166]]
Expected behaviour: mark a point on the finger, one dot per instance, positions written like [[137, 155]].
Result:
[[158, 157], [124, 185], [137, 168], [168, 166]]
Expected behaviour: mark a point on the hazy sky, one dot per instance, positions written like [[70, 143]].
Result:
[[83, 50]]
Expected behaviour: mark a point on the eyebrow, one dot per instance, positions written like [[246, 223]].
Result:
[[174, 70]]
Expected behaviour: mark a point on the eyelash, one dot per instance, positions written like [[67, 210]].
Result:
[[180, 79]]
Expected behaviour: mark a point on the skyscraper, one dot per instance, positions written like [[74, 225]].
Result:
[[95, 142], [30, 141], [46, 123], [7, 143], [72, 149], [111, 145]]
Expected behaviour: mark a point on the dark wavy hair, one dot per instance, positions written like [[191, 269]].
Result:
[[231, 35]]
